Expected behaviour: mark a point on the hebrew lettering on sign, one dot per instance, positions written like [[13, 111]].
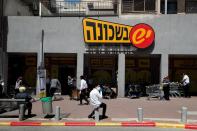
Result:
[[103, 32]]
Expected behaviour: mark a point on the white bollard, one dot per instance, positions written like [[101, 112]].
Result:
[[140, 114], [57, 113], [21, 112], [184, 114], [96, 114]]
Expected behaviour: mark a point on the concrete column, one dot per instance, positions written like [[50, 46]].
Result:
[[181, 6], [166, 6], [164, 66], [4, 68], [121, 75], [119, 7], [158, 6], [80, 64], [1, 63]]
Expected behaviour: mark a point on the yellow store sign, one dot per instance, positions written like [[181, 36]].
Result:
[[103, 32], [96, 31]]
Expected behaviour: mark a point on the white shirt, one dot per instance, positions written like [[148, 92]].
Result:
[[18, 83], [83, 85], [185, 80], [95, 97], [55, 83]]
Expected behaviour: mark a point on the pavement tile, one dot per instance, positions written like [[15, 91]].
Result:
[[120, 108]]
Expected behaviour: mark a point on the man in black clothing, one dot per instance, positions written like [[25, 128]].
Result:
[[166, 87], [23, 95]]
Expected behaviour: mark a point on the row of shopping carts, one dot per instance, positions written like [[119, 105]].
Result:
[[156, 90]]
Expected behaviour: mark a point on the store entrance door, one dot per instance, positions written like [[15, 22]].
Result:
[[64, 72]]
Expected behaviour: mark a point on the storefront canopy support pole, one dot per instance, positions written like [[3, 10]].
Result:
[[80, 66], [121, 75], [164, 66]]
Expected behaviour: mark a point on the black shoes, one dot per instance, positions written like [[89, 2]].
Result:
[[104, 117], [29, 115], [87, 103], [84, 103], [90, 116]]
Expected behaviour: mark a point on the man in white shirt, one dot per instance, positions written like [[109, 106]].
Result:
[[55, 86], [96, 101], [186, 84], [83, 90]]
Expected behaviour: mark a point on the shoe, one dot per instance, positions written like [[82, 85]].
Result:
[[90, 116], [104, 117], [87, 103], [167, 99], [28, 115], [80, 104]]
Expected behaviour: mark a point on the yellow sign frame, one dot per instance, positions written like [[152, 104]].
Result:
[[98, 31]]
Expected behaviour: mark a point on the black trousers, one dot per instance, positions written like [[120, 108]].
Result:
[[47, 90], [166, 91], [52, 91], [83, 96], [186, 90], [102, 105], [70, 91], [29, 107]]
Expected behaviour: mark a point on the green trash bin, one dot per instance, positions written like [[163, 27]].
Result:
[[47, 105]]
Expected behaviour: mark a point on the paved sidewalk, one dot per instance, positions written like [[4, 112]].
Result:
[[120, 109]]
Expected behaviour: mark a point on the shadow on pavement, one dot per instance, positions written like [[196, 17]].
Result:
[[16, 116]]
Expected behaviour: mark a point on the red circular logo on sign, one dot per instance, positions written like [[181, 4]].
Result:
[[142, 36]]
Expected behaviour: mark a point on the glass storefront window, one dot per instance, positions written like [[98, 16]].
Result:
[[191, 6]]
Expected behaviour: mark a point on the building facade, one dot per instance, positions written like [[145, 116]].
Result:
[[66, 51]]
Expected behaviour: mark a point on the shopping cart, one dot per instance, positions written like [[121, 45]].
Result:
[[154, 91], [175, 89], [134, 91]]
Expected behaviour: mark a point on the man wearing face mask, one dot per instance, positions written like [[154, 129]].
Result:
[[96, 101]]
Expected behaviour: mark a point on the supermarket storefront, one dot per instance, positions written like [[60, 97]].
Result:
[[114, 50]]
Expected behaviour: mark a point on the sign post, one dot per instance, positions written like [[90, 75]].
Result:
[[41, 72]]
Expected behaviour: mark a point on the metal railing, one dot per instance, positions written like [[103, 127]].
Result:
[[138, 6], [80, 8]]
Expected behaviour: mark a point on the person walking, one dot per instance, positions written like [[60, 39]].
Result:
[[166, 87], [96, 101], [83, 91], [70, 87], [55, 85], [186, 85]]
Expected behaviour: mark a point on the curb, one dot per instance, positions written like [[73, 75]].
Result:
[[121, 124]]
